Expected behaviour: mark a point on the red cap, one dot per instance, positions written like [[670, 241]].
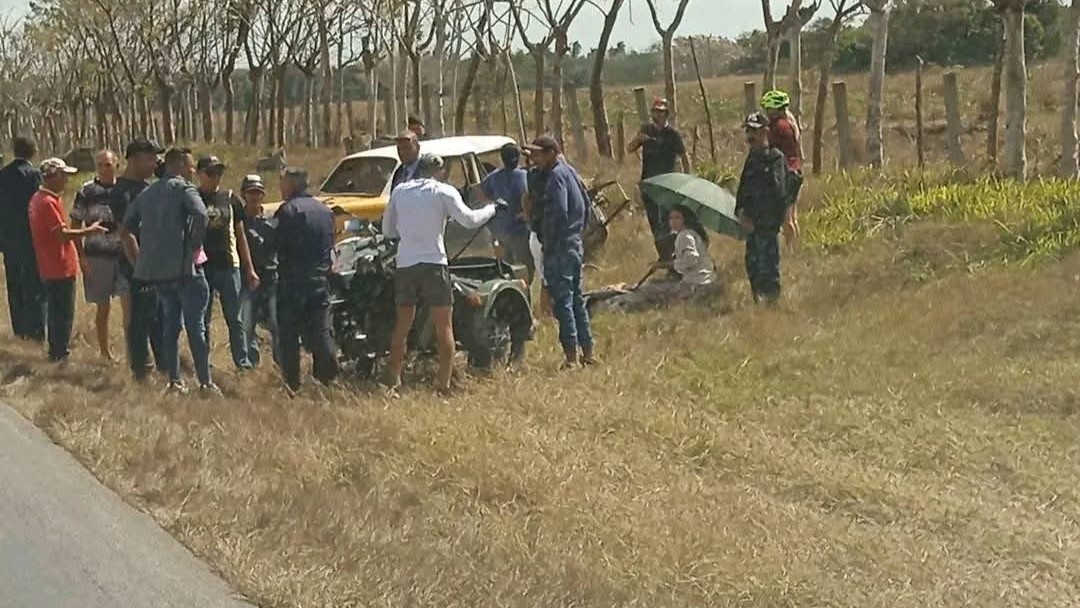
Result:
[[660, 105]]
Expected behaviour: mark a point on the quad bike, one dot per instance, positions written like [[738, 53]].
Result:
[[492, 313]]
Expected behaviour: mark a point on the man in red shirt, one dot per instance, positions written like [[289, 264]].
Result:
[[784, 135], [57, 258]]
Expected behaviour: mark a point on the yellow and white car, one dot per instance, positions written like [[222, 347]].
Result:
[[360, 184]]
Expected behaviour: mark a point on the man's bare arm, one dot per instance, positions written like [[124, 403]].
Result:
[[131, 245]]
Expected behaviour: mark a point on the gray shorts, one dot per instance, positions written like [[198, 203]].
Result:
[[102, 281], [427, 284]]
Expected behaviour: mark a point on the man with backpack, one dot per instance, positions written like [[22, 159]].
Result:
[[762, 204]]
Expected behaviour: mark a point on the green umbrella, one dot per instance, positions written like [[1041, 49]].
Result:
[[713, 205]]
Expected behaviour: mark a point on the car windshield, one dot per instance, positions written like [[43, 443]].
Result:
[[366, 175]]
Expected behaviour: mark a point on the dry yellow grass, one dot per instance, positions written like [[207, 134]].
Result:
[[902, 432]]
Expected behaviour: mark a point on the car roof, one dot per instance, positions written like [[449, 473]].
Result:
[[444, 146]]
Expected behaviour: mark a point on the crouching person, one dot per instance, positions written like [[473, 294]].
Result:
[[761, 206]]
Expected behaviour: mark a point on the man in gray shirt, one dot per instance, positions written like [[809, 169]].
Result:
[[170, 219]]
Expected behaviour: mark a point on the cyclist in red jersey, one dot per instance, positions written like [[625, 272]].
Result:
[[784, 134]]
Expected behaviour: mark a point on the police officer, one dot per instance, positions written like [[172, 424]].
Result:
[[761, 206], [305, 240]]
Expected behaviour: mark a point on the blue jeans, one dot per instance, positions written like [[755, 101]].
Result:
[[562, 271], [185, 302], [145, 332], [226, 283], [260, 306]]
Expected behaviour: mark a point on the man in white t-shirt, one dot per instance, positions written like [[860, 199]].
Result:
[[417, 214]]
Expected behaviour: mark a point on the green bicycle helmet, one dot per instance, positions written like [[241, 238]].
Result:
[[775, 100]]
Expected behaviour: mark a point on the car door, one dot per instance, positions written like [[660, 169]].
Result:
[[464, 173]]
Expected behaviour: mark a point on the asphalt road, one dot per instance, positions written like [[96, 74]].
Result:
[[66, 541]]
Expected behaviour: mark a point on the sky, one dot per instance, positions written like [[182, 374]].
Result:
[[703, 17]]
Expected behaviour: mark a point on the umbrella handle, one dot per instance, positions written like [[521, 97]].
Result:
[[652, 271]]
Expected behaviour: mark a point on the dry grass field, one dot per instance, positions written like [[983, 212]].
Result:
[[902, 432]]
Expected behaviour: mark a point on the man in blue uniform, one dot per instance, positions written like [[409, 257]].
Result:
[[305, 241]]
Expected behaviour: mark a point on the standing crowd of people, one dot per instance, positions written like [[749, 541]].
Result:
[[166, 247]]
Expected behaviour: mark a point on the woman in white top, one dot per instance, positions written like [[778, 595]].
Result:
[[692, 264]]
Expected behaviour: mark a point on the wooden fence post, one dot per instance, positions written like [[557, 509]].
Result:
[[920, 128], [574, 109], [642, 105], [750, 97], [704, 102], [843, 125], [954, 125], [620, 138]]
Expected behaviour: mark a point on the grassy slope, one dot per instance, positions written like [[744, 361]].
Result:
[[901, 433]]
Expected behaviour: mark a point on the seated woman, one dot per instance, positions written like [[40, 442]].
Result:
[[692, 266]]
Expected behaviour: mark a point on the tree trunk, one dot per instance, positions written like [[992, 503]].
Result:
[[843, 126], [206, 109], [561, 49], [1015, 92], [466, 90], [416, 83], [819, 114], [668, 54], [373, 104], [254, 113], [578, 129], [772, 59], [519, 106], [596, 82], [795, 48], [281, 97], [954, 125], [1070, 164], [878, 24], [920, 131], [538, 93], [393, 125], [327, 80], [230, 106], [165, 107], [310, 139], [993, 128]]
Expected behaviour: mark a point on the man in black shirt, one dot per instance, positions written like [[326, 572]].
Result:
[[259, 304], [227, 252], [661, 146], [99, 254], [143, 328], [26, 294]]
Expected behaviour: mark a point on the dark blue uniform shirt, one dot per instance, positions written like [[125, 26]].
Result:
[[18, 182], [305, 239]]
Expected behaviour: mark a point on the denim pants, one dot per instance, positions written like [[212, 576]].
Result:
[[25, 293], [562, 272], [146, 333], [260, 306], [225, 282], [60, 296], [304, 312], [184, 302]]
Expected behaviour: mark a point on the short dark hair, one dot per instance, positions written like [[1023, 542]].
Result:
[[296, 175], [24, 146], [174, 156], [415, 120]]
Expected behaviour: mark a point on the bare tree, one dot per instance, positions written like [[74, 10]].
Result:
[[537, 50], [844, 10], [596, 80], [1070, 165], [878, 24], [1015, 88], [559, 24], [667, 38]]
